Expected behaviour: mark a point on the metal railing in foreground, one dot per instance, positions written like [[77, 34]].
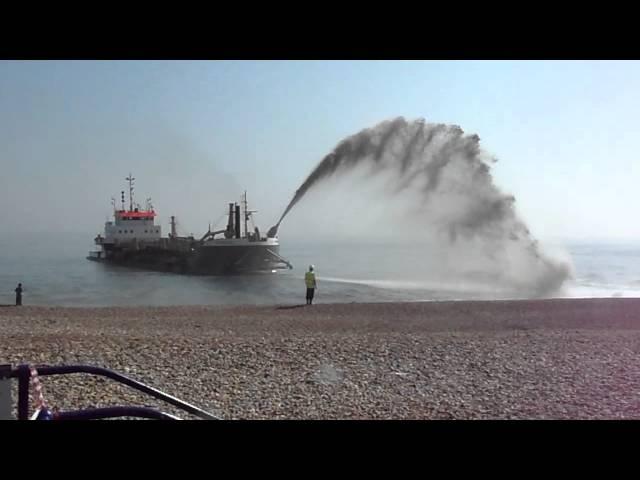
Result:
[[23, 374]]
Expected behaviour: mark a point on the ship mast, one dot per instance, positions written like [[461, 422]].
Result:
[[246, 214], [130, 179]]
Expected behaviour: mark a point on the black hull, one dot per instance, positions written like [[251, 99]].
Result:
[[219, 260]]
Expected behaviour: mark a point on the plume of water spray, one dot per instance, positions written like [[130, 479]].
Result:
[[448, 175]]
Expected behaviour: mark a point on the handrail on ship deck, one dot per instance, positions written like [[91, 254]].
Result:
[[23, 374]]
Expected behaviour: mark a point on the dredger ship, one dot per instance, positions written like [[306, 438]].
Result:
[[133, 239]]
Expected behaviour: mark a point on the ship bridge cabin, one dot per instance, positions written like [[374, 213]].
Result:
[[132, 224]]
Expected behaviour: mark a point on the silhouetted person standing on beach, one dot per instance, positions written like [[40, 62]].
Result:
[[310, 280], [19, 294]]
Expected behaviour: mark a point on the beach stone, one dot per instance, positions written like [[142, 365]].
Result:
[[453, 360]]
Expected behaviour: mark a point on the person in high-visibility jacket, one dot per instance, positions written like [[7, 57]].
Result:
[[310, 281]]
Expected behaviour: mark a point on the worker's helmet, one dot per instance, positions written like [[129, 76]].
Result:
[[311, 268]]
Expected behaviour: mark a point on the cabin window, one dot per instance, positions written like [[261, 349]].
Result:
[[119, 231], [145, 231]]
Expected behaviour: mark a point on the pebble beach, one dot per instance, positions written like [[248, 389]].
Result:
[[527, 359]]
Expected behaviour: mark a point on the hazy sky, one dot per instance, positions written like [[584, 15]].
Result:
[[196, 134]]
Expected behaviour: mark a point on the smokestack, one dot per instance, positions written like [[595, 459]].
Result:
[[237, 221], [173, 226], [230, 222]]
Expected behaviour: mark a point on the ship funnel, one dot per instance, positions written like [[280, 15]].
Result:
[[237, 221], [230, 230], [173, 226]]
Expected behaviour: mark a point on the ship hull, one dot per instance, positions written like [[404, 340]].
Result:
[[220, 260], [203, 260]]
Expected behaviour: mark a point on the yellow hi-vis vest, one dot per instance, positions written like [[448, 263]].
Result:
[[310, 279]]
